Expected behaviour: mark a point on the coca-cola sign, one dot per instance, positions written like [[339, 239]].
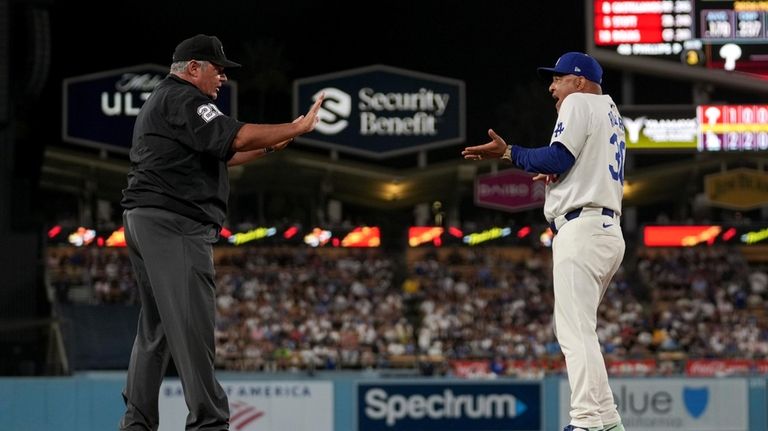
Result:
[[718, 367]]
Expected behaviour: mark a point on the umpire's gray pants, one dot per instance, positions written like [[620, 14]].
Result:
[[172, 258]]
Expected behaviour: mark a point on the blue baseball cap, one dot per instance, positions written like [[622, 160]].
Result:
[[575, 63]]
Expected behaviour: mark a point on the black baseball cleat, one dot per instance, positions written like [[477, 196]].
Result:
[[614, 427]]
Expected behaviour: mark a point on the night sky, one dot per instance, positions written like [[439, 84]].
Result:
[[494, 47]]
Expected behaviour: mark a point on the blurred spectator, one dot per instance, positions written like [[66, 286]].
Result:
[[282, 308]]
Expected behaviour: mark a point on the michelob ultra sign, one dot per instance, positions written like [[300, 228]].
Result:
[[99, 109]]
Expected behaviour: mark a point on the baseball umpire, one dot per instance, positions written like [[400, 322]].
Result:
[[583, 167], [175, 205]]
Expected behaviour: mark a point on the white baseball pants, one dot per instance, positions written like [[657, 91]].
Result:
[[586, 253]]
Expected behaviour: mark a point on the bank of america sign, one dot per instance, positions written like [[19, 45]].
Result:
[[382, 111]]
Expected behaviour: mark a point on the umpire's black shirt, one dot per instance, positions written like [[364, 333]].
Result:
[[181, 145]]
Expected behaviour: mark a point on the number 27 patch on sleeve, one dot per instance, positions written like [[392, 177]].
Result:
[[208, 112]]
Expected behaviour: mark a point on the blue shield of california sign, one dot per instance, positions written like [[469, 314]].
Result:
[[382, 111], [99, 109], [696, 400]]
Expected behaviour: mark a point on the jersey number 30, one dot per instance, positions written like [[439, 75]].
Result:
[[617, 171]]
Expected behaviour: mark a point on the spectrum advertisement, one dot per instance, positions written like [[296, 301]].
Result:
[[487, 406]]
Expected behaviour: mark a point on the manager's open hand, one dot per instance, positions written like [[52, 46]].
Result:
[[491, 150]]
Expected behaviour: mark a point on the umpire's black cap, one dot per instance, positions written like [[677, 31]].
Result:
[[205, 48]]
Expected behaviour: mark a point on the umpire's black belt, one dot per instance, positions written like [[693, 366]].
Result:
[[558, 222]]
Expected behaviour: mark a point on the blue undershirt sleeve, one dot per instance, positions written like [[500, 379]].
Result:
[[552, 159]]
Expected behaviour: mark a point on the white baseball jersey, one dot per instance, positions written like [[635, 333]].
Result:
[[590, 126]]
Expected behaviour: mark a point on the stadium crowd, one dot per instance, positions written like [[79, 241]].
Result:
[[288, 307]]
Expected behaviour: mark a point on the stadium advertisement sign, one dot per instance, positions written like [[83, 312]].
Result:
[[382, 111], [668, 404], [692, 235], [654, 127], [737, 189], [259, 406], [720, 367], [487, 406], [99, 109], [509, 190]]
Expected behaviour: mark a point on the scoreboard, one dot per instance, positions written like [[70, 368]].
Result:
[[732, 127], [702, 128], [649, 27], [720, 25], [718, 34]]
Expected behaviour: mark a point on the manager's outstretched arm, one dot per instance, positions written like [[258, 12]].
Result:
[[552, 159]]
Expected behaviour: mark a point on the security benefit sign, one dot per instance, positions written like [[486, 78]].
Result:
[[668, 404], [487, 406], [259, 405], [509, 190], [99, 109], [382, 111]]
